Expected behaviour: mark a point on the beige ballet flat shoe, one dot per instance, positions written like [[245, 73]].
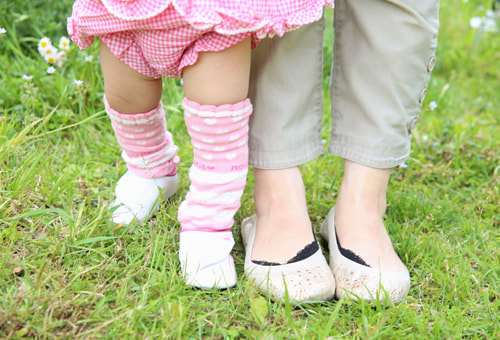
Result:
[[306, 281], [359, 281]]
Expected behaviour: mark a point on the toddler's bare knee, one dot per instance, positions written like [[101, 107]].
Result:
[[132, 101]]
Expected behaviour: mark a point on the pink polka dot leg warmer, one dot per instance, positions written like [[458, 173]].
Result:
[[219, 135], [147, 146], [151, 158]]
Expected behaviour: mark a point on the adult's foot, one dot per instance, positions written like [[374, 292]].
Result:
[[283, 225], [359, 212]]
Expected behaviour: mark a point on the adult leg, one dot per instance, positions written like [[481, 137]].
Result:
[[133, 105], [285, 131], [359, 216], [216, 111], [384, 53]]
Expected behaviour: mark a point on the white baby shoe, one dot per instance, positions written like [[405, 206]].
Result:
[[205, 259], [138, 198]]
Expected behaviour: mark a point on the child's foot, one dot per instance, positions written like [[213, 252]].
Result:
[[205, 259], [138, 198]]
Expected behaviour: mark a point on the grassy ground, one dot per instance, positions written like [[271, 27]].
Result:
[[67, 272]]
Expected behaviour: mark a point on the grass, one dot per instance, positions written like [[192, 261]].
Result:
[[67, 272]]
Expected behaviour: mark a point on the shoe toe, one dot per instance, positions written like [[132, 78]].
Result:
[[306, 281], [138, 198], [127, 212], [205, 259], [358, 281], [215, 276], [371, 285]]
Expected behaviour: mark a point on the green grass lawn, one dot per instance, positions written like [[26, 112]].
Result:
[[67, 272]]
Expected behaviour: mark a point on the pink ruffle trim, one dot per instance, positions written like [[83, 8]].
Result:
[[236, 109], [226, 16]]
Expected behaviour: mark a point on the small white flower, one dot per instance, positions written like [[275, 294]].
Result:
[[62, 55], [50, 54], [43, 45], [64, 43], [433, 105], [60, 58], [27, 77], [2, 31], [425, 138], [51, 59], [403, 165], [490, 25], [51, 50], [89, 59], [78, 83], [51, 70], [475, 22]]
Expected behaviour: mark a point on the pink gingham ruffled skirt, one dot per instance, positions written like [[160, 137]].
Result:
[[161, 37]]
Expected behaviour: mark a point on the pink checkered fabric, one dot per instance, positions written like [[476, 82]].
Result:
[[161, 37]]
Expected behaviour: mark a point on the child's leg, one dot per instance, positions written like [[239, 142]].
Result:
[[133, 105], [216, 115]]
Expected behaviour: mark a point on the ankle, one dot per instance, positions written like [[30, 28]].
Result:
[[279, 192], [364, 188], [355, 219], [369, 204]]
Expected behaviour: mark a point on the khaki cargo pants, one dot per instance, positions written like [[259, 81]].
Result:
[[384, 52]]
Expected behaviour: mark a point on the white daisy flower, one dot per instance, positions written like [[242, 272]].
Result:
[[490, 23], [51, 70], [64, 43], [433, 105], [2, 31], [51, 59], [475, 22], [27, 77], [89, 59], [78, 82], [61, 58], [50, 54], [44, 44]]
